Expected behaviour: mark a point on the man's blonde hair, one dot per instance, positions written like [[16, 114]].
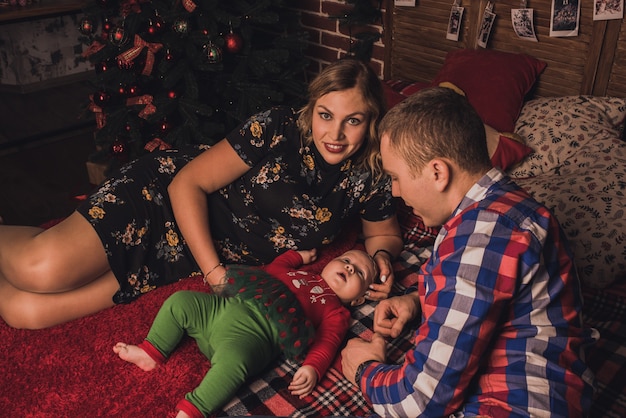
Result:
[[437, 122]]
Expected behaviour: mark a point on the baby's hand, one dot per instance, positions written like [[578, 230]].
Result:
[[308, 256], [303, 382]]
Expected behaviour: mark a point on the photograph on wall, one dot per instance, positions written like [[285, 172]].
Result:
[[523, 25], [454, 23], [485, 28], [608, 9], [565, 18]]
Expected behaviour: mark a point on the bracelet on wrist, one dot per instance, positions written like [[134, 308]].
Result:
[[382, 250], [360, 369], [211, 271]]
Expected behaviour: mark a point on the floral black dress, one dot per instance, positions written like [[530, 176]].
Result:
[[289, 199]]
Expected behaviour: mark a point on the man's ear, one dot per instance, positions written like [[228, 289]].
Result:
[[440, 172], [358, 301]]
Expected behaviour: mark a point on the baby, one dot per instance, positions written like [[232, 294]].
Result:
[[273, 310]]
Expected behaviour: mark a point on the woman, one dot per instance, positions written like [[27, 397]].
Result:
[[283, 180]]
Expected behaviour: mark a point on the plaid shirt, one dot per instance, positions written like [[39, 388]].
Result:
[[501, 333]]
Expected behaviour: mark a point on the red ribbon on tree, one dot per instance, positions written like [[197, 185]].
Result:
[[189, 5], [129, 55], [93, 48], [146, 99], [101, 119], [156, 143], [129, 6]]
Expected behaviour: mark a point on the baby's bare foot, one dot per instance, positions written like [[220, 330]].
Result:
[[135, 355]]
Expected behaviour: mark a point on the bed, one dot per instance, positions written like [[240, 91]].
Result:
[[554, 111]]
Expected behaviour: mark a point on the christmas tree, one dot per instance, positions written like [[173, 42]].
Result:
[[175, 72]]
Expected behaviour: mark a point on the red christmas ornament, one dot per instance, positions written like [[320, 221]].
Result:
[[213, 53], [117, 36], [181, 26], [233, 42], [86, 26], [172, 94], [118, 147]]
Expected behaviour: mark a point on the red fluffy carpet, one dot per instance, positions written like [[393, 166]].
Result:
[[70, 370]]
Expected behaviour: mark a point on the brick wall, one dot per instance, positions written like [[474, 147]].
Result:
[[328, 40]]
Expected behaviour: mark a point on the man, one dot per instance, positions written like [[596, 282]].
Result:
[[500, 333]]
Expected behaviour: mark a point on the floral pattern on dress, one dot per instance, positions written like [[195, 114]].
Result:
[[132, 215], [291, 196]]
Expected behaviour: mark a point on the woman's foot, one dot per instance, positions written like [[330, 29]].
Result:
[[135, 355]]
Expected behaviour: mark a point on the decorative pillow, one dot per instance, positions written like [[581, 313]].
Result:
[[505, 149], [557, 127], [495, 82], [588, 199]]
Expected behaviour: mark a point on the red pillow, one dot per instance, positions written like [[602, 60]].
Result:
[[509, 152], [494, 82], [413, 88], [392, 97]]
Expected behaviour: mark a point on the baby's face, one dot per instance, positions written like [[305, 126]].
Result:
[[350, 275]]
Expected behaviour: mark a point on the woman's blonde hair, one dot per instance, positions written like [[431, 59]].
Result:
[[342, 75]]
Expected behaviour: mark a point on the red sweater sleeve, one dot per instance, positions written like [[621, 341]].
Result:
[[328, 339]]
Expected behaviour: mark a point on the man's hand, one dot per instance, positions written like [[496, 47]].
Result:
[[391, 315], [358, 350], [303, 382]]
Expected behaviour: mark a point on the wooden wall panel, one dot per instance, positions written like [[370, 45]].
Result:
[[617, 76], [419, 44], [593, 62]]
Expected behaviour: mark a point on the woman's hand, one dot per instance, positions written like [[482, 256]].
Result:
[[308, 256], [303, 382], [383, 240], [380, 290]]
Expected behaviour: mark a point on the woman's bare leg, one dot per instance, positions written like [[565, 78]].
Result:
[[65, 257], [29, 310], [52, 276]]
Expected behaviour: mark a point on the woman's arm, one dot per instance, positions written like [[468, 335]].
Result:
[[383, 241], [215, 168]]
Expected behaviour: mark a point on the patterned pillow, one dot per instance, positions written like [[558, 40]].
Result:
[[556, 127], [581, 176]]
